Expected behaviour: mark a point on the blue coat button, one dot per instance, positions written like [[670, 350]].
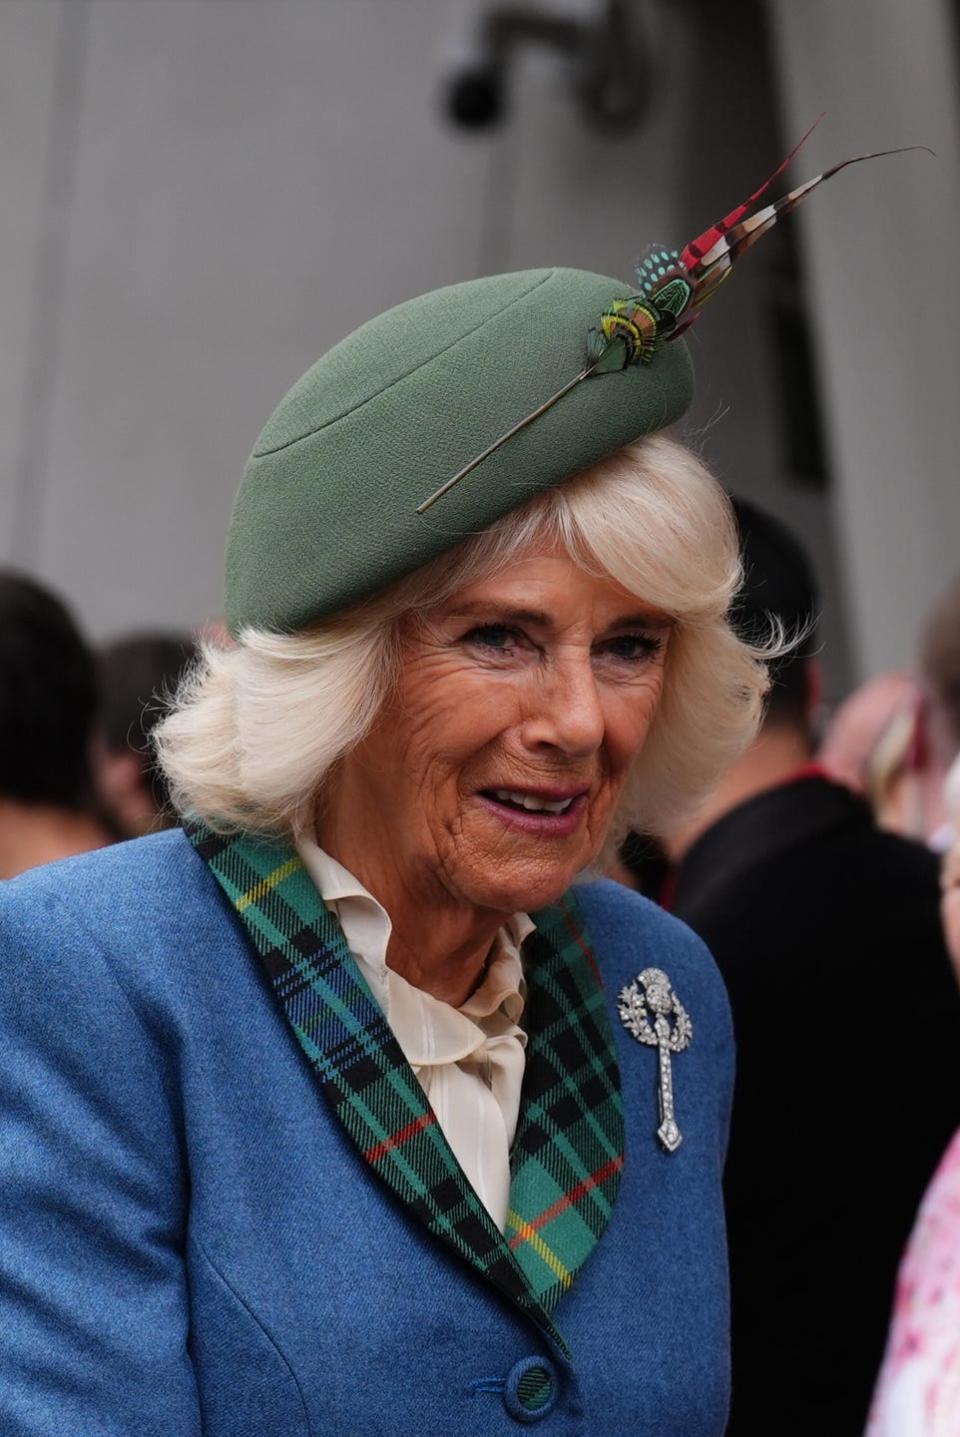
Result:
[[531, 1389]]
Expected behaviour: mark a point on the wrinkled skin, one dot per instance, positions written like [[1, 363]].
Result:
[[542, 679]]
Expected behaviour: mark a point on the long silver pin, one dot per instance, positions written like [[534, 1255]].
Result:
[[651, 996], [492, 448]]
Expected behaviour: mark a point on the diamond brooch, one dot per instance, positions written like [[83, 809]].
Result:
[[646, 1007]]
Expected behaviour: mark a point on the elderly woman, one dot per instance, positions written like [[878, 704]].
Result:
[[350, 1109]]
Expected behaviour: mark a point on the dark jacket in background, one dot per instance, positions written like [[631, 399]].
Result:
[[847, 1020]]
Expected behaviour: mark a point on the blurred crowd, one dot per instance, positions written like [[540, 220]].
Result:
[[77, 766], [824, 875]]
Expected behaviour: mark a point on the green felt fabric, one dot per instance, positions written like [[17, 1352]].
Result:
[[326, 513]]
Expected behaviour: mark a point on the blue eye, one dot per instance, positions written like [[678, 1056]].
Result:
[[499, 637], [633, 648]]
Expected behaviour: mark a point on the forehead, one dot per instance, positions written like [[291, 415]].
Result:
[[553, 589]]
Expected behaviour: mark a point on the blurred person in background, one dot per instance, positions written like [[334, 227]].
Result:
[[918, 1391], [950, 875], [940, 668], [873, 743], [894, 738], [137, 674], [847, 1022], [48, 709]]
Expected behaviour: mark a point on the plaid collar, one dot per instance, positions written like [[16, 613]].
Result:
[[569, 1146]]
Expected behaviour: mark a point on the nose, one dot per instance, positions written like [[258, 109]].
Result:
[[566, 713]]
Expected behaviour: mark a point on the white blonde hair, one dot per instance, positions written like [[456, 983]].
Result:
[[257, 728]]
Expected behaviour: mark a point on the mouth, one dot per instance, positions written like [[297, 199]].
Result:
[[545, 812]]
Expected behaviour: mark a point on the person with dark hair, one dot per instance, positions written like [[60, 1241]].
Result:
[[48, 705], [847, 1021], [137, 673]]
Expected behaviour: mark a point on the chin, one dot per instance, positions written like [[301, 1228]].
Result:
[[521, 892]]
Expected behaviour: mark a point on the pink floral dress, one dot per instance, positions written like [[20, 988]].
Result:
[[918, 1392]]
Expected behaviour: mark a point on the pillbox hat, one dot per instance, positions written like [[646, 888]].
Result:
[[327, 512]]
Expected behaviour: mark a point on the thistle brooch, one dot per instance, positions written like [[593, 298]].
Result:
[[650, 996]]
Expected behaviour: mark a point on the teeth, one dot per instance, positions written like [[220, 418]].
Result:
[[532, 804]]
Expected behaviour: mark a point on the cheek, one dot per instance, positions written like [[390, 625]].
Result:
[[629, 718], [444, 718]]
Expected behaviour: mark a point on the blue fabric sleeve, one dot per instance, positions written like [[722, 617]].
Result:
[[93, 1295]]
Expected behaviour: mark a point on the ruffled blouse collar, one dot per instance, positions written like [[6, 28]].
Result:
[[430, 1031]]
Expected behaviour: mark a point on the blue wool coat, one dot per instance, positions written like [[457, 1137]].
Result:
[[190, 1242]]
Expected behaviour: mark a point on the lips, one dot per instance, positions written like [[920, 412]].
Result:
[[540, 811], [530, 802]]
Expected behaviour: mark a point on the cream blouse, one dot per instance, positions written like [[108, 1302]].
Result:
[[468, 1060]]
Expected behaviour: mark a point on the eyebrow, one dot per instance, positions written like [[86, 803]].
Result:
[[491, 608]]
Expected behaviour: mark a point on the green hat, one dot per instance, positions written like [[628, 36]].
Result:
[[327, 512], [417, 430]]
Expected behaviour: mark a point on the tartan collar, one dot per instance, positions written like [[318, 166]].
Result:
[[569, 1146]]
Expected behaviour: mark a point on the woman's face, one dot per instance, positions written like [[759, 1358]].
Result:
[[492, 774]]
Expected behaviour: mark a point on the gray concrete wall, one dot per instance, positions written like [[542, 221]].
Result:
[[211, 192], [887, 309], [30, 47], [240, 199]]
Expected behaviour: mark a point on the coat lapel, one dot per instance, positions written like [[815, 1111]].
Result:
[[568, 1151], [569, 1148]]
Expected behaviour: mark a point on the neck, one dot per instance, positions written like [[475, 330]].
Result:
[[442, 953], [777, 753], [437, 942], [33, 834]]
